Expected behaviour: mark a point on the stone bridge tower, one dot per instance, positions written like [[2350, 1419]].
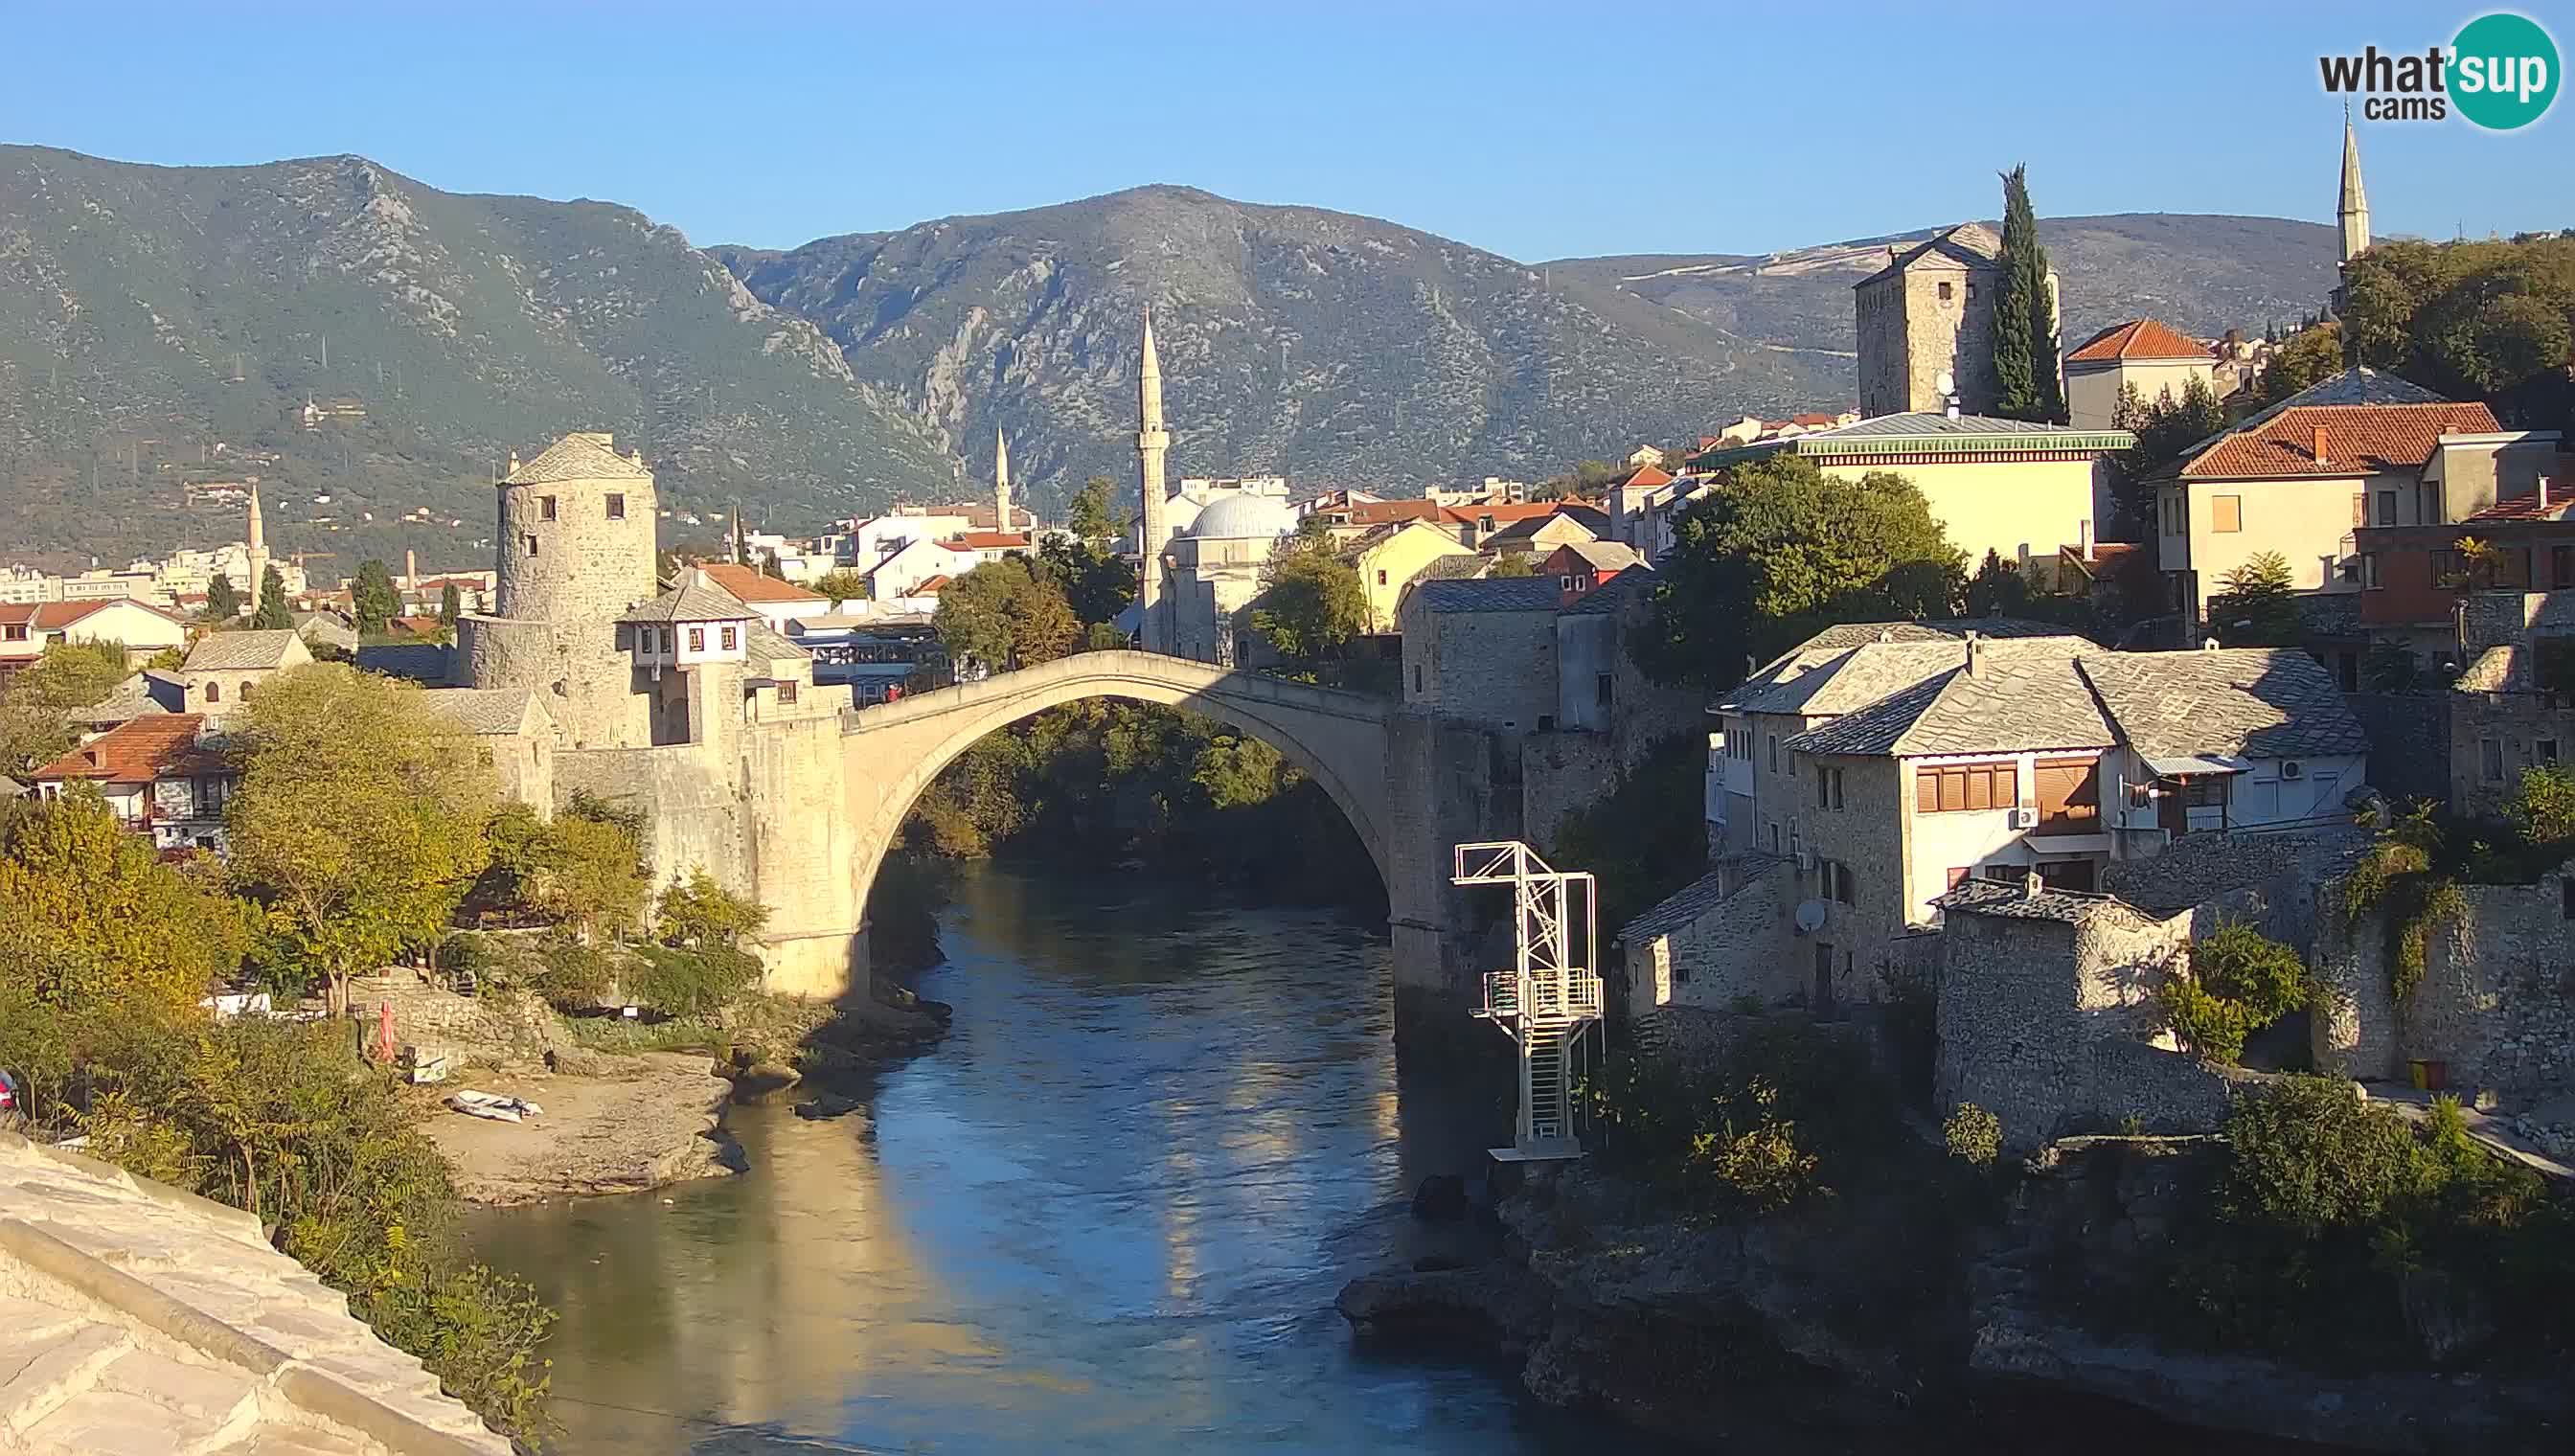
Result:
[[576, 551]]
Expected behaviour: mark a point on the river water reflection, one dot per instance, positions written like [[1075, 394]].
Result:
[[1108, 1214]]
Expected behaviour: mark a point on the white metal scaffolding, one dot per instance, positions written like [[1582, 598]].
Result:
[[1552, 996]]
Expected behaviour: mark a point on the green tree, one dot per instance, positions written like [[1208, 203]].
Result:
[[36, 704], [2464, 319], [96, 919], [1093, 575], [360, 821], [699, 915], [2310, 356], [584, 871], [1514, 563], [843, 586], [374, 598], [1094, 516], [1006, 614], [2025, 315], [2543, 806], [2389, 667], [451, 604], [770, 567], [272, 613], [223, 599], [1312, 603], [2259, 606], [1781, 550]]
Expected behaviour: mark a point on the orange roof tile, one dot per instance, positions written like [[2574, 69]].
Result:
[[1648, 477], [1467, 515], [930, 587], [138, 752], [2359, 440], [748, 585], [1383, 513], [2137, 339], [991, 540]]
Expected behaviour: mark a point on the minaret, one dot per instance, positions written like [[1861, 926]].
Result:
[[258, 552], [1152, 442], [1001, 481], [2353, 213]]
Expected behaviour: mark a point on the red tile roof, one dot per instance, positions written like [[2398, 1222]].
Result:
[[159, 747], [749, 586], [2561, 498], [991, 541], [929, 587], [1649, 476], [1501, 514], [1812, 421], [2137, 339], [2359, 440]]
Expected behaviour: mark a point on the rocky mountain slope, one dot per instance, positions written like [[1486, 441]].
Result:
[[151, 315]]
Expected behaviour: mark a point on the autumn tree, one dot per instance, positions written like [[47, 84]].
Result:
[[360, 819], [1780, 550], [1514, 563], [1312, 603], [1006, 614], [96, 919], [36, 704], [272, 613], [1097, 580], [699, 915], [372, 596]]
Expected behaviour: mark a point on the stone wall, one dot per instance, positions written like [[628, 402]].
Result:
[[2523, 730], [2044, 1021], [1492, 668], [1740, 950], [2409, 742], [693, 818], [1562, 771], [2496, 1002], [1442, 789]]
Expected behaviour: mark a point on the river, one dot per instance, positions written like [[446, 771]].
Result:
[[1107, 1213]]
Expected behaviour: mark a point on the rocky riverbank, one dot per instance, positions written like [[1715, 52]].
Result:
[[1873, 1310]]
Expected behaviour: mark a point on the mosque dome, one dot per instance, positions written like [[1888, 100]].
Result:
[[1244, 516]]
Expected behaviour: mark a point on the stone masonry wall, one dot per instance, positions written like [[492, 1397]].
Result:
[[1562, 771], [1442, 789], [2496, 1002], [1491, 667], [2409, 742], [2526, 731]]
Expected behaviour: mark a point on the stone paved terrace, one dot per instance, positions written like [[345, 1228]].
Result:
[[137, 1320]]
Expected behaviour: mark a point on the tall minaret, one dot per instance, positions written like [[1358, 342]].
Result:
[[1152, 442], [2353, 213], [258, 552], [1001, 481]]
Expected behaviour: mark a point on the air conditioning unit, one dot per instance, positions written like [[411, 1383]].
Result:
[[1806, 862], [2292, 768], [2024, 818]]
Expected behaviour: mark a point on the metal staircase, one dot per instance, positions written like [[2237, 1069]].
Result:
[[1552, 996]]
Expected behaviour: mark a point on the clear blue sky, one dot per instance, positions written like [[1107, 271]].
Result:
[[1536, 132]]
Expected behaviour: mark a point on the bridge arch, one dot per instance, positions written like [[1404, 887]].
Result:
[[893, 752]]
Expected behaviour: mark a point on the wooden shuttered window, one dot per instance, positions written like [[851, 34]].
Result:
[[1967, 787], [2069, 796]]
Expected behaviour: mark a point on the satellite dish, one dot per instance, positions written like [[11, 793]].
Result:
[[1810, 916], [1946, 383]]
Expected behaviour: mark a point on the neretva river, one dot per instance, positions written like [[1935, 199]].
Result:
[[1108, 1214]]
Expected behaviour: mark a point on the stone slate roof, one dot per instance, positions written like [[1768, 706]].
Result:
[[483, 711], [1464, 567], [581, 456], [1698, 897], [416, 661], [764, 645], [1848, 680], [1632, 584], [2260, 703], [1968, 245], [1489, 594], [145, 694], [1605, 555], [2013, 706], [691, 602], [238, 652], [2508, 667], [2011, 901]]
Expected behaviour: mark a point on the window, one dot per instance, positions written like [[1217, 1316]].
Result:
[[1967, 787], [1838, 788], [1381, 576], [625, 638], [2206, 792], [1845, 884], [2360, 508], [531, 541], [2369, 578], [2225, 512], [1774, 837], [483, 756], [15, 631], [1944, 292], [616, 505], [2069, 796], [2544, 750], [1775, 752], [1822, 796], [2561, 565], [1564, 583], [1416, 676], [245, 690], [2490, 761], [2387, 507], [729, 638], [697, 639], [1547, 722], [214, 692], [1603, 685], [546, 508], [786, 691]]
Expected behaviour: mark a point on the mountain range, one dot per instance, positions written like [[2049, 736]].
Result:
[[150, 315]]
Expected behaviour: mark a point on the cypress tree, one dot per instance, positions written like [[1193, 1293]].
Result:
[[272, 615], [223, 599], [2024, 316]]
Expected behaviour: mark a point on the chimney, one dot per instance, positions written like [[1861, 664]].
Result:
[[2321, 456], [2543, 493], [2032, 887], [1975, 664], [2083, 534]]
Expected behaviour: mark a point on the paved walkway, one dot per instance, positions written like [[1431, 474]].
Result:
[[137, 1320]]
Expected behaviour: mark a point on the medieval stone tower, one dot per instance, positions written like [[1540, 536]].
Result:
[[1929, 312], [576, 550]]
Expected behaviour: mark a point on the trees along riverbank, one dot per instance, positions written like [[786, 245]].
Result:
[[365, 829]]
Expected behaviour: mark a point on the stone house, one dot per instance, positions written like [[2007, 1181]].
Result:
[[161, 774], [2357, 451], [515, 738], [1390, 558], [1930, 312], [1580, 566], [1484, 651], [2159, 360], [1537, 533], [2016, 489], [225, 668]]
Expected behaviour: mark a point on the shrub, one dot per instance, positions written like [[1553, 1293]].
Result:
[[684, 982], [1975, 1135], [1787, 1110], [2211, 1025], [700, 914], [574, 976], [2243, 966]]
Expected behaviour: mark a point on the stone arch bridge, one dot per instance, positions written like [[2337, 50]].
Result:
[[1406, 782]]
